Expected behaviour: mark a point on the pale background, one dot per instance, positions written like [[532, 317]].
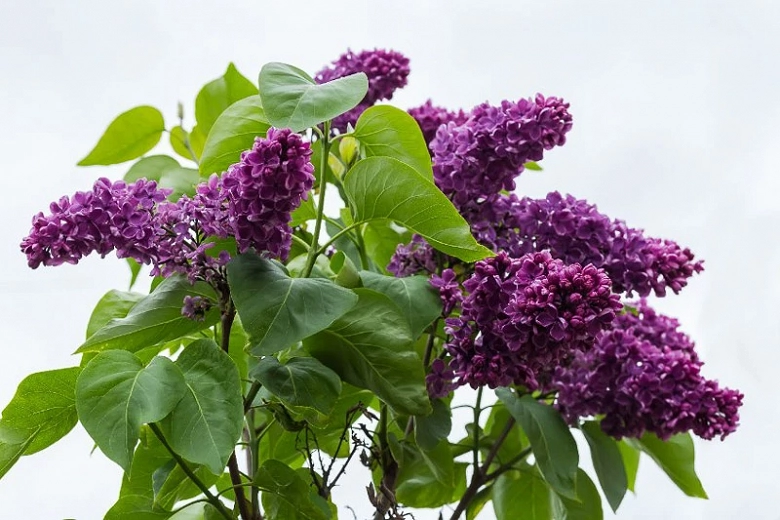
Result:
[[675, 130]]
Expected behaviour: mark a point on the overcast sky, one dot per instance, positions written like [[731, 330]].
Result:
[[675, 130]]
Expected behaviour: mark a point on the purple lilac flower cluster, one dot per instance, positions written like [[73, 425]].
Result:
[[111, 216], [482, 156], [525, 316], [449, 290], [251, 202], [265, 187], [430, 117], [440, 379], [574, 231], [387, 71], [644, 377]]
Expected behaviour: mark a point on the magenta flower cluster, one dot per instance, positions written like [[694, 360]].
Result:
[[251, 202], [644, 377], [430, 117], [482, 156], [522, 317], [387, 71], [574, 231]]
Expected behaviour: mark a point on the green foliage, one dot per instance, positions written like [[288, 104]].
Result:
[[278, 311], [585, 506], [130, 135], [116, 394], [233, 132], [286, 495], [419, 302], [301, 381], [155, 319], [167, 172], [551, 441], [380, 359], [292, 99], [676, 457], [390, 132], [521, 495], [206, 423], [218, 95], [608, 463], [630, 457], [385, 188]]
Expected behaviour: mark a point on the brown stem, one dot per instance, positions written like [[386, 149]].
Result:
[[235, 477], [480, 476]]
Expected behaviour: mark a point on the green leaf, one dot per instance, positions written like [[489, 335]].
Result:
[[514, 442], [134, 507], [384, 130], [197, 140], [305, 212], [302, 381], [381, 241], [179, 139], [155, 319], [219, 94], [676, 457], [430, 430], [551, 441], [43, 408], [287, 496], [414, 295], [481, 499], [530, 165], [135, 270], [113, 304], [233, 132], [206, 423], [292, 99], [167, 172], [521, 496], [586, 506], [177, 486], [630, 462], [429, 479], [607, 462], [385, 188], [116, 394], [11, 448], [378, 358], [130, 135], [278, 311], [346, 273]]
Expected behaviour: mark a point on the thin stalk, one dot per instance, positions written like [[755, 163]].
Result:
[[426, 360], [314, 250], [190, 474], [477, 413], [336, 237]]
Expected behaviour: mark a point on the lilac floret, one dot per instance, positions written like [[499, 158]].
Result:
[[430, 117], [449, 289], [440, 379], [196, 307]]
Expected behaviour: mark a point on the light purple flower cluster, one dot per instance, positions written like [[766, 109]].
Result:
[[387, 71], [265, 187], [525, 316], [482, 156], [196, 307], [112, 216], [643, 376], [449, 290], [430, 117], [251, 202]]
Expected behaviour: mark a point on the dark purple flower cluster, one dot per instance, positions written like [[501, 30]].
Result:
[[412, 258], [440, 379], [574, 231], [643, 376], [196, 307], [430, 117], [449, 290], [112, 216], [387, 71], [525, 316], [482, 156], [265, 187]]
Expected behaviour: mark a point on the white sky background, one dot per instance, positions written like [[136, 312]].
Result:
[[675, 130]]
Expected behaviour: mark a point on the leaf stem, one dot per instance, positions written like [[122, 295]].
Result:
[[314, 250], [217, 503]]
